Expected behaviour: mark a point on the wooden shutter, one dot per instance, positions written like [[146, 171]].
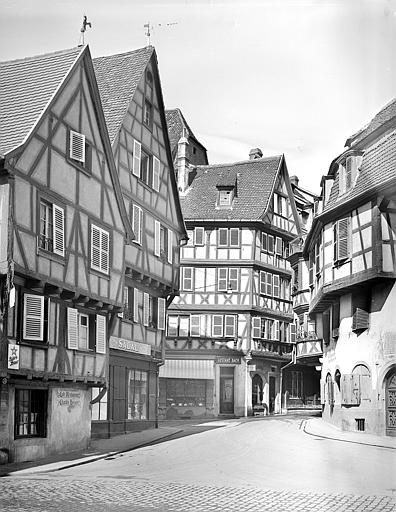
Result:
[[146, 309], [263, 241], [161, 314], [136, 294], [276, 330], [278, 246], [222, 279], [59, 229], [195, 325], [95, 247], [72, 328], [234, 237], [348, 172], [77, 146], [292, 332], [233, 274], [276, 286], [170, 246], [263, 282], [223, 237], [157, 238], [341, 179], [199, 236], [256, 327], [137, 217], [269, 283], [270, 244], [100, 334], [343, 238], [229, 326], [156, 173], [137, 155], [217, 326], [105, 251], [311, 268], [33, 317]]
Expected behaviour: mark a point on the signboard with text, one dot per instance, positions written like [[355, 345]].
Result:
[[129, 346], [228, 360]]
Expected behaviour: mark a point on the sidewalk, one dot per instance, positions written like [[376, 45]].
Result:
[[99, 449], [320, 428]]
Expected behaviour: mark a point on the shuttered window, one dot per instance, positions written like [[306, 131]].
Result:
[[229, 329], [157, 238], [137, 155], [269, 283], [233, 279], [276, 330], [278, 246], [156, 173], [293, 332], [33, 317], [52, 228], [161, 314], [195, 325], [187, 273], [77, 146], [276, 286], [222, 280], [136, 295], [217, 326], [146, 309], [137, 223], [256, 327], [270, 244], [72, 328], [170, 246], [199, 236], [263, 283], [341, 239], [234, 237], [100, 334], [59, 230], [100, 249]]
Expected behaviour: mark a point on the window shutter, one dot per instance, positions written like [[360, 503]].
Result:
[[146, 309], [270, 244], [137, 155], [269, 283], [276, 286], [230, 326], [256, 327], [263, 241], [195, 325], [348, 172], [137, 218], [278, 246], [263, 283], [33, 317], [59, 230], [311, 268], [233, 279], [222, 280], [136, 294], [100, 334], [170, 246], [157, 238], [161, 314], [95, 247], [341, 179], [217, 326], [156, 173], [187, 278], [77, 146], [199, 236], [293, 332], [72, 328], [276, 329], [105, 246], [223, 237], [343, 238], [234, 237]]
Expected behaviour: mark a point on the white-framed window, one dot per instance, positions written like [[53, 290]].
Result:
[[137, 294], [33, 317], [78, 331], [195, 325], [83, 331], [225, 197], [100, 249], [217, 326], [278, 246], [276, 286], [263, 282], [199, 236], [269, 283], [230, 326], [341, 239], [264, 242], [223, 237], [52, 228], [270, 244], [256, 327], [228, 279], [228, 237], [187, 278], [77, 146], [137, 154], [163, 243], [137, 223]]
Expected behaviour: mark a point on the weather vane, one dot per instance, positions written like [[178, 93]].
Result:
[[150, 27], [83, 29]]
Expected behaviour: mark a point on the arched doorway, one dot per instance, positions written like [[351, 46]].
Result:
[[257, 390], [391, 405]]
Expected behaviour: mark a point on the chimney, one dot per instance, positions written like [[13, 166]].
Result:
[[294, 180], [182, 164], [255, 153]]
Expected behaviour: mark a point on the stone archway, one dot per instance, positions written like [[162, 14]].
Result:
[[390, 404]]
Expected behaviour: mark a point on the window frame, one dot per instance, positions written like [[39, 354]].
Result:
[[102, 232], [56, 222], [41, 401], [184, 278], [219, 325]]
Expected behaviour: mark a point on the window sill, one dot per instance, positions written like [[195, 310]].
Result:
[[98, 273], [79, 166], [51, 255], [33, 343]]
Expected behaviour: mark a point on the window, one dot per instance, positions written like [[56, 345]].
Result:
[[270, 245], [100, 249], [163, 243], [148, 114], [137, 395], [341, 239], [225, 197], [80, 151], [195, 325], [86, 331], [228, 237], [34, 317], [178, 325], [269, 283], [151, 310], [156, 173], [31, 412], [187, 278], [52, 228], [199, 236], [264, 242], [186, 393], [278, 246], [318, 255], [276, 286], [146, 168], [229, 326], [217, 326], [128, 303], [227, 279], [137, 223]]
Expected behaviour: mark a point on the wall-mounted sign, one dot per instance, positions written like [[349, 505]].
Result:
[[129, 346], [228, 360], [13, 357]]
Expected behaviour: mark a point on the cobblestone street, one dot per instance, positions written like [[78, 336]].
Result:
[[64, 495]]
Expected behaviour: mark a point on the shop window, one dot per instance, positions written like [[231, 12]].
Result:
[[31, 412], [137, 395], [185, 393]]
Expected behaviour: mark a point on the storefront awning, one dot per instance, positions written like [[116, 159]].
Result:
[[187, 369]]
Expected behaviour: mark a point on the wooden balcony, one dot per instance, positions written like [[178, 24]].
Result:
[[308, 350]]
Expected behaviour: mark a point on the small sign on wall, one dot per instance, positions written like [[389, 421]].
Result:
[[13, 356]]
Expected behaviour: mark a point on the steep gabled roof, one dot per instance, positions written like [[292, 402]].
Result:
[[384, 116], [254, 185], [176, 125], [118, 77], [26, 88]]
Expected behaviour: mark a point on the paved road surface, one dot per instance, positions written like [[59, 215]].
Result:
[[250, 466]]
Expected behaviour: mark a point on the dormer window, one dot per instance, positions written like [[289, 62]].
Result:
[[226, 197], [347, 172]]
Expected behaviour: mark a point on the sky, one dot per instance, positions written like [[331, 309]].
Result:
[[287, 76]]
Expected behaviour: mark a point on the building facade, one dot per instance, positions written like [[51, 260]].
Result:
[[230, 331], [63, 230], [132, 101], [350, 253]]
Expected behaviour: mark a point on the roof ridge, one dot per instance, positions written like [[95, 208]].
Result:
[[130, 52], [230, 164], [44, 55]]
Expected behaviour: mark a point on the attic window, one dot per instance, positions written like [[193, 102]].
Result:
[[226, 197], [77, 146], [347, 172]]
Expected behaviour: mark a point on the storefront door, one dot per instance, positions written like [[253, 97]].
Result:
[[226, 390], [391, 405]]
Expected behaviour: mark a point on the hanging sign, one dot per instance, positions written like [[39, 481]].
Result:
[[13, 356]]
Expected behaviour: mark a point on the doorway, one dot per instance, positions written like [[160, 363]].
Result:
[[272, 395], [391, 405], [227, 390], [257, 390]]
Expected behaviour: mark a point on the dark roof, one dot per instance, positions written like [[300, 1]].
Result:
[[384, 115], [26, 87], [254, 184], [377, 170], [118, 77], [176, 122]]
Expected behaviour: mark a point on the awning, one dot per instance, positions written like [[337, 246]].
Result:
[[187, 369]]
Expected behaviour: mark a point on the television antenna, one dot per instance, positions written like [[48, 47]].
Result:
[[149, 28]]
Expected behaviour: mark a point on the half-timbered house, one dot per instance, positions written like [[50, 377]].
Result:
[[130, 89], [229, 332], [63, 229], [350, 252]]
